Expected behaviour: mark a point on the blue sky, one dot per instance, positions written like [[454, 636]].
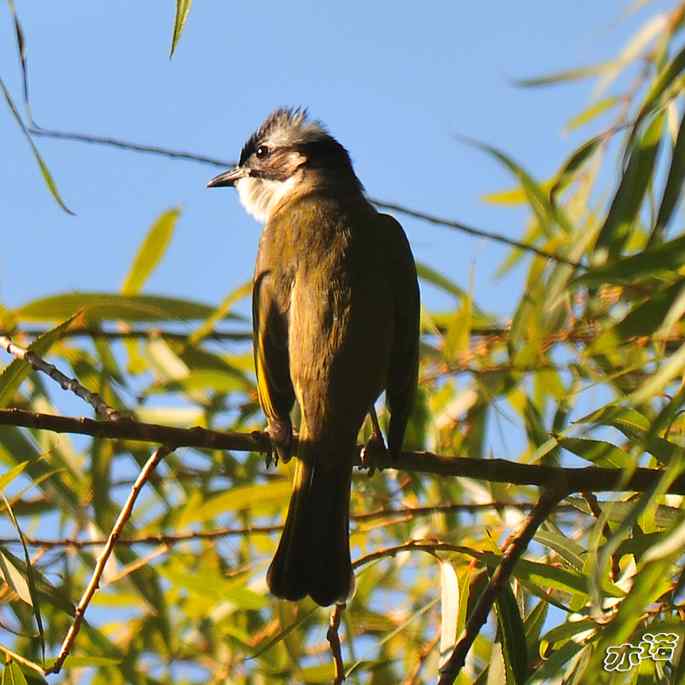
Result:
[[394, 82]]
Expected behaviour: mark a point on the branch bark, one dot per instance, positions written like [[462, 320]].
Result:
[[516, 546], [592, 478]]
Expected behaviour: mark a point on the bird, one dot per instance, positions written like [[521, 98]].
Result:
[[335, 308]]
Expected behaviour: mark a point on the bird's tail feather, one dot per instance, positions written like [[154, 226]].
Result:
[[313, 555]]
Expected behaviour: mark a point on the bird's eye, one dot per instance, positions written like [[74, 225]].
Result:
[[262, 151]]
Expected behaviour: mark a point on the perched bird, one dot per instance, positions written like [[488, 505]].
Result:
[[336, 321]]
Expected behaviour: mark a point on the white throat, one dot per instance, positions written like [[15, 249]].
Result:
[[260, 196]]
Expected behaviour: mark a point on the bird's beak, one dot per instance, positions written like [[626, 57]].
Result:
[[228, 178]]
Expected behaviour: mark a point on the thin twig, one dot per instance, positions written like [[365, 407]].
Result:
[[596, 510], [39, 364], [470, 230], [334, 641], [382, 204], [169, 540], [414, 546], [126, 145], [592, 478], [22, 660], [124, 515], [516, 546]]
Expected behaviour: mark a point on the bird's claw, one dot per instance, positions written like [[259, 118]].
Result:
[[281, 436], [372, 452]]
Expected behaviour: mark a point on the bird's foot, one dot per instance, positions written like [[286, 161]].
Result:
[[373, 453], [281, 436], [375, 447]]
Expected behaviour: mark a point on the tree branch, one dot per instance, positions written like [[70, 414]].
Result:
[[382, 204], [39, 364], [592, 478], [94, 583], [516, 546], [334, 641]]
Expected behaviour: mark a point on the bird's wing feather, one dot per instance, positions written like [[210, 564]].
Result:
[[270, 327], [404, 359]]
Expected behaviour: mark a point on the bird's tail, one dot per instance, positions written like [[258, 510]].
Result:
[[313, 555]]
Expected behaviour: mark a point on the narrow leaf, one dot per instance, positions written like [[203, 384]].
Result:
[[449, 609], [111, 306], [573, 164], [47, 176], [513, 634], [668, 370], [182, 10], [631, 191], [150, 252], [592, 112], [13, 675], [665, 258], [663, 80], [220, 313], [673, 187], [281, 634], [30, 577]]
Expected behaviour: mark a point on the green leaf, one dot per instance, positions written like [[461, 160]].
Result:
[[30, 578], [592, 112], [648, 316], [84, 661], [513, 634], [665, 258], [632, 189], [12, 675], [44, 591], [571, 166], [220, 313], [513, 196], [15, 579], [548, 215], [553, 665], [663, 80], [214, 588], [112, 306], [563, 76], [281, 634], [47, 176], [670, 368], [150, 252], [673, 187], [430, 275], [7, 477], [14, 374], [598, 452], [245, 497], [182, 10]]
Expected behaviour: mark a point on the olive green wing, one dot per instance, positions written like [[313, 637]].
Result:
[[270, 329], [404, 359]]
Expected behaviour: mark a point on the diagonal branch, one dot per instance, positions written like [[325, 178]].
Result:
[[94, 583], [39, 364], [382, 204], [334, 640], [515, 547]]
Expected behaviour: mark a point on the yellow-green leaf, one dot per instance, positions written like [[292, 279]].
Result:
[[47, 176], [182, 10], [150, 252]]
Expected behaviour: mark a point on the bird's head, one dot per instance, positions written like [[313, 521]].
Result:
[[287, 156]]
